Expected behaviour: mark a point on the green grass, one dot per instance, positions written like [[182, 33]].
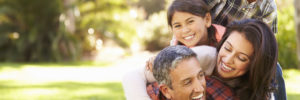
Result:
[[25, 81], [58, 64], [292, 81], [61, 91], [57, 81]]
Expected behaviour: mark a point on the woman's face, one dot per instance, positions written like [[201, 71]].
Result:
[[234, 56], [190, 29]]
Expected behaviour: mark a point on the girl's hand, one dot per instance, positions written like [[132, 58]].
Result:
[[173, 41]]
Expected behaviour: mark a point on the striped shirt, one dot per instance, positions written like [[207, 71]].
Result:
[[226, 11]]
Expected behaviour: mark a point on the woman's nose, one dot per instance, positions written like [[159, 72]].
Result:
[[229, 58]]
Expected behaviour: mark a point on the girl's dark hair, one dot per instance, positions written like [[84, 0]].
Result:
[[195, 7], [256, 82]]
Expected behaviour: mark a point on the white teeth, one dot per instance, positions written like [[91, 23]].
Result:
[[226, 67], [198, 97], [189, 37]]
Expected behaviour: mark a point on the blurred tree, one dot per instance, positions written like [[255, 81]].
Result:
[[297, 20], [286, 38], [152, 6], [30, 30]]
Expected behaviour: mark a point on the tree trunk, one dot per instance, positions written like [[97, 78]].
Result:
[[70, 16], [297, 20]]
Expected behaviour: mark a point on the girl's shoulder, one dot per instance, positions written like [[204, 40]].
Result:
[[220, 30]]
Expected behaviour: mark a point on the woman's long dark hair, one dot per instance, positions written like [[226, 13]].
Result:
[[195, 7], [256, 82]]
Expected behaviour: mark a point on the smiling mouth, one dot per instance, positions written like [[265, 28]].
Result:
[[226, 68], [199, 97], [189, 37]]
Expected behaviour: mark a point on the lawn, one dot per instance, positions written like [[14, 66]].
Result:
[[79, 81], [292, 82], [61, 91], [59, 81]]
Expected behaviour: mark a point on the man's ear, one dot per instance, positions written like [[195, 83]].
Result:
[[207, 20], [166, 91]]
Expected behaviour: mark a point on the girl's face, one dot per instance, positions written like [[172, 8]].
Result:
[[234, 56], [190, 29]]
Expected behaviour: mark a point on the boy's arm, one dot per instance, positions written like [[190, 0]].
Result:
[[269, 10], [134, 85]]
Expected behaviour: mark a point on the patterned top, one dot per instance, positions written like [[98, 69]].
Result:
[[215, 90], [226, 11]]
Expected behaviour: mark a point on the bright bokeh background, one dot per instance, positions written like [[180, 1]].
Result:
[[80, 49]]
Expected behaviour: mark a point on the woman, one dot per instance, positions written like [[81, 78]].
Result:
[[247, 57]]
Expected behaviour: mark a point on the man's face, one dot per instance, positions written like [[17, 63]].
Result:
[[187, 80]]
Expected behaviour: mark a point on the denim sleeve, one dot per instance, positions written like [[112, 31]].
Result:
[[281, 93]]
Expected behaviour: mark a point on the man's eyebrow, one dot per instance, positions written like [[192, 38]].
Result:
[[188, 78]]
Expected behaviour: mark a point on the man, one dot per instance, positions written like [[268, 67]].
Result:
[[180, 77], [226, 11]]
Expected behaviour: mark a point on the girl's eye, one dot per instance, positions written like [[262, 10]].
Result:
[[177, 26], [191, 21]]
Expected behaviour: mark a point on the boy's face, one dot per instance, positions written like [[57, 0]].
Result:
[[188, 81]]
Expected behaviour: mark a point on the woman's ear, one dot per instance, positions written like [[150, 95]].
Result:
[[207, 20], [166, 91]]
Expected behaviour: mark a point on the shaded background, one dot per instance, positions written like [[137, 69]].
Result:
[[80, 49]]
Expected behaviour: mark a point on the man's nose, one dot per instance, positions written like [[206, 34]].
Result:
[[198, 87]]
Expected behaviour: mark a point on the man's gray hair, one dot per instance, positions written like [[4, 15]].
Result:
[[167, 60]]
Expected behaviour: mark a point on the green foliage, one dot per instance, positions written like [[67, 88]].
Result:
[[109, 18], [286, 38], [31, 31], [156, 33]]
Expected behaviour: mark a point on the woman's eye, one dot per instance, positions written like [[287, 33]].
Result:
[[227, 49], [242, 59], [191, 21]]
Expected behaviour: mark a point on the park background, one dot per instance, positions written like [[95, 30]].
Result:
[[80, 49]]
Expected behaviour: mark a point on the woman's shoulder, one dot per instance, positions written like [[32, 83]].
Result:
[[217, 90]]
